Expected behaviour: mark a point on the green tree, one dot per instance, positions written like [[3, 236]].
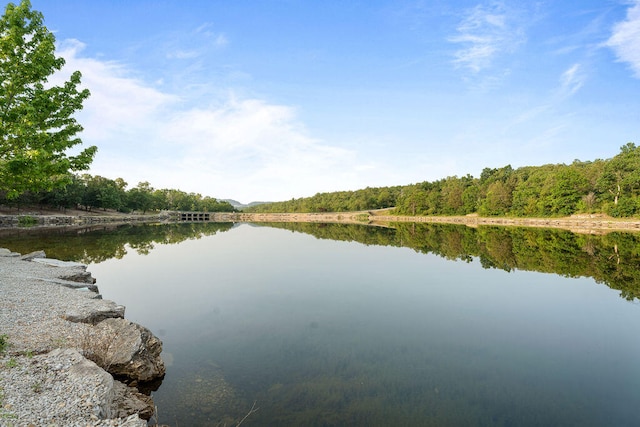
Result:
[[104, 193], [452, 190], [37, 126], [69, 196], [562, 190], [497, 187], [141, 198], [498, 199], [621, 180]]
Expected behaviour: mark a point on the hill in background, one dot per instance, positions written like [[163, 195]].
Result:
[[236, 204]]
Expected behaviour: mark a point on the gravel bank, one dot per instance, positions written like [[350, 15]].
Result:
[[44, 378]]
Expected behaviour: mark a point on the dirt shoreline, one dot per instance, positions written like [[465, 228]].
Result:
[[577, 223]]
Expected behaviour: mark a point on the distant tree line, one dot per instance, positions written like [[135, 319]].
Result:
[[340, 201], [94, 192], [602, 186]]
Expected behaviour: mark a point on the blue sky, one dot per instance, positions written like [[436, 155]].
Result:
[[271, 100]]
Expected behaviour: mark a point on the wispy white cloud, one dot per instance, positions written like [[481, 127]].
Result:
[[486, 32], [238, 147], [548, 114], [625, 38], [183, 54], [571, 80], [195, 43], [221, 40], [119, 101]]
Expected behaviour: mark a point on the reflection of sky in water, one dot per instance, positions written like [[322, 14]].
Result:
[[342, 333]]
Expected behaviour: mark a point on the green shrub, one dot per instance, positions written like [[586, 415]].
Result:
[[626, 207], [27, 221], [4, 343]]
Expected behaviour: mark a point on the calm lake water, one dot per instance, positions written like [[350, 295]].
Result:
[[458, 329]]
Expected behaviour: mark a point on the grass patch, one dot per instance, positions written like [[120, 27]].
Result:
[[4, 415], [27, 221], [4, 343]]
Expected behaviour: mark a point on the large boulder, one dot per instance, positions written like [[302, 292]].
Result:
[[128, 400], [93, 311], [126, 350], [113, 398]]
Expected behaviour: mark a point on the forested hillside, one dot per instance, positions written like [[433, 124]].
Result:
[[340, 201], [601, 186]]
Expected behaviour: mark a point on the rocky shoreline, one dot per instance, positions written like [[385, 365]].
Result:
[[69, 358], [580, 223], [36, 219]]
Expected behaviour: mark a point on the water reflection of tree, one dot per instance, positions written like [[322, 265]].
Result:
[[97, 245], [612, 259]]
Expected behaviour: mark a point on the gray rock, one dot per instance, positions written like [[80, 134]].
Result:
[[57, 263], [7, 253], [71, 391], [45, 311], [95, 313], [80, 276], [63, 388], [119, 401], [83, 369], [129, 350], [33, 255], [68, 283], [128, 400], [133, 421]]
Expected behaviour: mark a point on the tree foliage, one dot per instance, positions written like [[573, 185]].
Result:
[[37, 125], [341, 201], [90, 192], [601, 186]]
